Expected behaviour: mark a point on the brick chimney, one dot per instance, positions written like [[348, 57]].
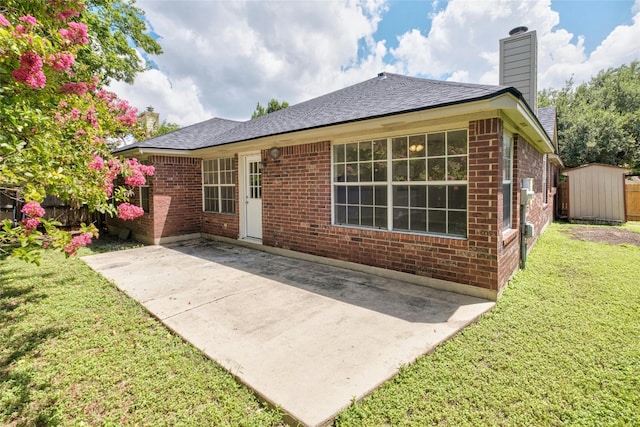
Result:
[[519, 64]]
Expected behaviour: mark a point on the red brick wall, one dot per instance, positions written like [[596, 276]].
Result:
[[297, 216], [527, 163], [175, 204], [226, 225], [142, 226]]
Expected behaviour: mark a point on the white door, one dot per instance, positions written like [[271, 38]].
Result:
[[253, 196]]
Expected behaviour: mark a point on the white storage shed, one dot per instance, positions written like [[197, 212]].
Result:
[[596, 193]]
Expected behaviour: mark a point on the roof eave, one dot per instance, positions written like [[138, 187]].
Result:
[[525, 121]]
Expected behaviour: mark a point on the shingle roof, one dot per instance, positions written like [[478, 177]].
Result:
[[384, 95], [188, 137], [547, 117]]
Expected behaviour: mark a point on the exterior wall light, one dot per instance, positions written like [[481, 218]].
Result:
[[274, 153]]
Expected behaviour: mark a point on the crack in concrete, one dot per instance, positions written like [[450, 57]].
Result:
[[215, 300]]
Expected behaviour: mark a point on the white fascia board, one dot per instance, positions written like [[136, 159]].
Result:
[[525, 121]]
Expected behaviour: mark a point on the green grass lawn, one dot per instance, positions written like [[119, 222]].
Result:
[[76, 351], [561, 347]]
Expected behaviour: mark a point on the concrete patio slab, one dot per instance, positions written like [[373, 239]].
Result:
[[304, 336]]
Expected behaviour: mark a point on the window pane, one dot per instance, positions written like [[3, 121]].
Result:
[[400, 170], [353, 195], [366, 173], [341, 194], [457, 197], [366, 196], [339, 174], [417, 170], [381, 217], [352, 172], [351, 152], [436, 169], [457, 142], [211, 199], [418, 196], [435, 144], [400, 195], [506, 205], [399, 147], [341, 214], [401, 219], [380, 196], [227, 206], [144, 198], [458, 223], [380, 149], [380, 171], [457, 169], [437, 221], [366, 216], [353, 215], [418, 220], [437, 196], [417, 146], [338, 153], [365, 151]]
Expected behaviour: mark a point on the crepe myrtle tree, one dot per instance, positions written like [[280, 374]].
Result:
[[57, 129]]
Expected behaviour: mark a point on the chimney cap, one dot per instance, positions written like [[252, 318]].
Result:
[[518, 30]]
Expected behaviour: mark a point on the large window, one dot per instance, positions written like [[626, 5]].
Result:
[[414, 183], [507, 180], [144, 198], [218, 187]]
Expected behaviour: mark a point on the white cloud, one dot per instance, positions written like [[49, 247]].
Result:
[[221, 57], [177, 101], [230, 55], [462, 44]]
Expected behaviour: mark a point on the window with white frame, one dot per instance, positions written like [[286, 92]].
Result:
[[218, 187], [414, 183], [144, 198], [507, 180]]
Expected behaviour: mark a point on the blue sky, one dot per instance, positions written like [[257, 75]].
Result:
[[222, 57]]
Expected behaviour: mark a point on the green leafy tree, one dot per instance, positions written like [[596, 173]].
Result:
[[599, 121], [117, 31], [57, 127], [273, 105], [165, 127]]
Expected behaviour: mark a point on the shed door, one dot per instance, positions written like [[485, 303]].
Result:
[[253, 196]]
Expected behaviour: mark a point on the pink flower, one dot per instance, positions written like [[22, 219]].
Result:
[[33, 210], [147, 170], [135, 180], [97, 163], [30, 223], [79, 88], [128, 211], [28, 19], [91, 117], [3, 21], [66, 14], [30, 71], [129, 118], [75, 34], [61, 61], [76, 242]]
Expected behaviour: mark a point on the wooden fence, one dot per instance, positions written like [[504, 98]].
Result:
[[632, 196]]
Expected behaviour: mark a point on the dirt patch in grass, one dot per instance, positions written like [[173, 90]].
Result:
[[612, 236]]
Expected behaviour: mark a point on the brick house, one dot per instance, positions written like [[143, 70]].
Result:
[[410, 177]]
